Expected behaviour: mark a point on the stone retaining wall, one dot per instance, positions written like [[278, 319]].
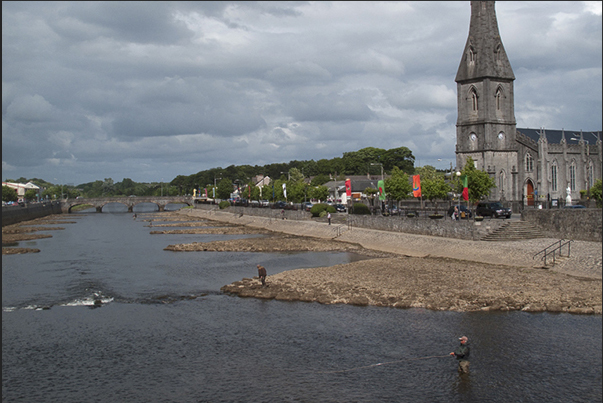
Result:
[[445, 227], [575, 224], [15, 214]]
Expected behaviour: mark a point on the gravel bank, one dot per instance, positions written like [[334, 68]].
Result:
[[428, 272]]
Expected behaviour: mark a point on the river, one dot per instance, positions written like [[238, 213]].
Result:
[[163, 332]]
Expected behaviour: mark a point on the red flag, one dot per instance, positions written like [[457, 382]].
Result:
[[416, 186], [348, 187]]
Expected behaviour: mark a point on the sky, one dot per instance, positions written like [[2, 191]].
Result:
[[153, 90]]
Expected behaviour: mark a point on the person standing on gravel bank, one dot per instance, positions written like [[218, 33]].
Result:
[[262, 274], [462, 355]]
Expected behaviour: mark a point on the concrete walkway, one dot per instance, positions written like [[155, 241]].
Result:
[[585, 258]]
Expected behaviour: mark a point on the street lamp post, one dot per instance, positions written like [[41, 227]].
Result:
[[378, 163], [288, 175]]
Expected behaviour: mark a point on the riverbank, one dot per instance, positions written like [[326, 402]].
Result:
[[421, 272]]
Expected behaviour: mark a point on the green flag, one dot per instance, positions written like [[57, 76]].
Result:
[[381, 185]]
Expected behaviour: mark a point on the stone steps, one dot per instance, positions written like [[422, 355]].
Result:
[[515, 231]]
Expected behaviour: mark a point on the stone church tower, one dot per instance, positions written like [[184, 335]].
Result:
[[486, 127], [530, 167]]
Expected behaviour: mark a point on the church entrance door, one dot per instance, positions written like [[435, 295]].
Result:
[[530, 192]]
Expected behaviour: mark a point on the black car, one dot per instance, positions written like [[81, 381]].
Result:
[[340, 208], [280, 205], [493, 209], [462, 209]]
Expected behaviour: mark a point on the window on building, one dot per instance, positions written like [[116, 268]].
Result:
[[554, 178], [529, 163], [471, 56], [589, 173], [473, 96], [572, 170], [497, 53]]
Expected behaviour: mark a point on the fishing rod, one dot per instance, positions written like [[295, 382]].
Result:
[[381, 363]]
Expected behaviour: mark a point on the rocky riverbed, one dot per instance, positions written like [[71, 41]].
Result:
[[391, 280], [432, 283], [27, 231]]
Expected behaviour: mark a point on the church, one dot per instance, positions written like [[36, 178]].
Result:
[[531, 167]]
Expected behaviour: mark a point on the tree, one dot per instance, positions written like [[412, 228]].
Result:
[[9, 194], [479, 182], [31, 194], [224, 189], [434, 189], [398, 186], [320, 180], [319, 193], [596, 191]]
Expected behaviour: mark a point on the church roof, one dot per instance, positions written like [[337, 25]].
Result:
[[555, 136]]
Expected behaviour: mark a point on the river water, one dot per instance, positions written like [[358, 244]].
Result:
[[164, 333]]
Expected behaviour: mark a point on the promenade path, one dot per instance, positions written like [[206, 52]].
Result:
[[585, 258]]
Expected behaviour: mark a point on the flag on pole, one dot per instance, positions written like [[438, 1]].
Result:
[[465, 183], [205, 191], [416, 185], [285, 190], [348, 187], [381, 186]]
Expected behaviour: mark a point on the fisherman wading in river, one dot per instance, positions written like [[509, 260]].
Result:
[[462, 355]]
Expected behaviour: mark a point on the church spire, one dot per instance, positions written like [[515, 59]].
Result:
[[484, 54]]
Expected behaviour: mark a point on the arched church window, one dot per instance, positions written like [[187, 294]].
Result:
[[471, 55], [554, 177], [473, 97], [589, 173], [529, 162], [497, 54], [498, 97], [572, 176]]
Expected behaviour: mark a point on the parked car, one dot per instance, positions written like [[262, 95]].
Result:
[[280, 205], [492, 209], [254, 203], [340, 208], [264, 203], [462, 209], [306, 206]]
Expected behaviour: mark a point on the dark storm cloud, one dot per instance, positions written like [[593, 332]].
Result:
[[158, 89]]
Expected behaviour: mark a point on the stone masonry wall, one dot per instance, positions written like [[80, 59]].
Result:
[[13, 215], [575, 224], [445, 227]]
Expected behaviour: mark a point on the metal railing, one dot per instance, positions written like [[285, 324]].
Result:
[[339, 229], [554, 250]]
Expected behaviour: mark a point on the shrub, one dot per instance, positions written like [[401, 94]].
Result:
[[224, 204], [317, 209], [360, 208]]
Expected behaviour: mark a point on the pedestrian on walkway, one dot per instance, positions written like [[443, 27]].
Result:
[[329, 218], [462, 355]]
